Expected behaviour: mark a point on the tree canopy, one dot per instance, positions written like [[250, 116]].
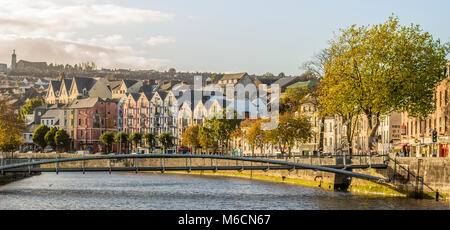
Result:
[[62, 139], [374, 70], [39, 136], [30, 105]]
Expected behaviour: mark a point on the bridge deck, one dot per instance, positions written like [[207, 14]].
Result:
[[193, 168], [30, 165]]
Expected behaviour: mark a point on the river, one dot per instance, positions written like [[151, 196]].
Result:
[[149, 191]]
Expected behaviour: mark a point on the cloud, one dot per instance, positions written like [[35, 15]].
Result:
[[159, 40], [54, 31], [69, 52], [48, 17]]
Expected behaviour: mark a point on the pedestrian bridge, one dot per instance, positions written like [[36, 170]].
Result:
[[193, 162]]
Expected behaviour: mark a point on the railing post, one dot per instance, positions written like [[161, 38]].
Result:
[[217, 163], [29, 165], [395, 172], [190, 164], [370, 160], [344, 160], [56, 167], [136, 164], [320, 156], [83, 163], [3, 164], [310, 158], [109, 165]]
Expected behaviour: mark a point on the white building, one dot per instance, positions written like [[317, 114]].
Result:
[[389, 132]]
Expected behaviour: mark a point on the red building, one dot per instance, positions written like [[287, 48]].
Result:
[[92, 117]]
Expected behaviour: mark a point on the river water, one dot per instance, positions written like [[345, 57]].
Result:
[[130, 191]]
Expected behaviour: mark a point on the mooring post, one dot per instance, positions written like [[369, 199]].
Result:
[[437, 195], [370, 160], [3, 163], [320, 156]]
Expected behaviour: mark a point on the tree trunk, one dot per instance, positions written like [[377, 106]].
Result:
[[372, 130]]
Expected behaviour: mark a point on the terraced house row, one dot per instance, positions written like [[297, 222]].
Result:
[[87, 107]]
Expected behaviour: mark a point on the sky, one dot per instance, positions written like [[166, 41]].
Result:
[[226, 36]]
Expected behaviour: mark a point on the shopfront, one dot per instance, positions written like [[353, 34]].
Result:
[[443, 150]]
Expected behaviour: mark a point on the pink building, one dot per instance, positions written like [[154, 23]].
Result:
[[93, 117]]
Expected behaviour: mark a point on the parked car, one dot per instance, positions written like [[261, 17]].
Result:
[[82, 152], [48, 150]]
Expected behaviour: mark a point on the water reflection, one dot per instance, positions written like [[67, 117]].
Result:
[[188, 192]]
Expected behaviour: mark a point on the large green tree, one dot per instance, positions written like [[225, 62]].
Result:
[[11, 127], [166, 140], [191, 137], [207, 139], [122, 139], [150, 140], [107, 138], [39, 136], [62, 140], [136, 138], [256, 137], [384, 68], [220, 127], [292, 128], [50, 137]]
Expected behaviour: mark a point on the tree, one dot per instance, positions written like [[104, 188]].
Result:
[[207, 139], [150, 139], [136, 138], [385, 68], [255, 136], [220, 128], [166, 140], [107, 138], [121, 138], [39, 136], [11, 127], [62, 139], [268, 74], [292, 128], [315, 69], [50, 137], [30, 105], [293, 99], [172, 71], [280, 75], [216, 77], [10, 141], [191, 137]]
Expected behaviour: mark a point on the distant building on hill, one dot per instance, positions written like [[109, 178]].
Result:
[[3, 68]]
